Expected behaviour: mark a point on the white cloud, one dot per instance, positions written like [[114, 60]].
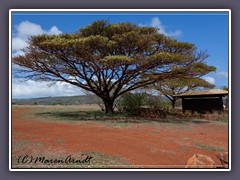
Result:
[[26, 29], [210, 79], [155, 22], [31, 89], [55, 30], [18, 43], [222, 74]]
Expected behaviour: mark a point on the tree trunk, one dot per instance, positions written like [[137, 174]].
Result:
[[108, 106], [173, 103]]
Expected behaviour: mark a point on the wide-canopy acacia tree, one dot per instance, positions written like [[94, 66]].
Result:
[[107, 59]]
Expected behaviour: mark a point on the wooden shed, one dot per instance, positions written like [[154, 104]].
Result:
[[203, 100]]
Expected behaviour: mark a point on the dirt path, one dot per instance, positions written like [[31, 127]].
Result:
[[148, 145]]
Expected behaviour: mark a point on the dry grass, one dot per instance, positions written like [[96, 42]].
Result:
[[215, 116], [82, 107]]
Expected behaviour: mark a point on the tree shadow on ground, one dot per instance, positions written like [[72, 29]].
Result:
[[82, 116], [66, 116], [100, 116]]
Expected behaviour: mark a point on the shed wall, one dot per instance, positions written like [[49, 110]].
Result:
[[202, 104]]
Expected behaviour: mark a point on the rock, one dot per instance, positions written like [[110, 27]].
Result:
[[200, 161], [223, 157]]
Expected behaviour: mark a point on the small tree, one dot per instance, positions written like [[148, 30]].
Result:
[[170, 87], [107, 59]]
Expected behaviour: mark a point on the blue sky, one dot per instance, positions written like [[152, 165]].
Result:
[[207, 30]]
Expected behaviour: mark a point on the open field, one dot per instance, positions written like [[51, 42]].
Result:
[[84, 133]]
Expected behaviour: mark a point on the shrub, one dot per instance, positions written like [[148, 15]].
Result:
[[165, 105], [153, 102], [131, 103], [143, 104], [152, 113]]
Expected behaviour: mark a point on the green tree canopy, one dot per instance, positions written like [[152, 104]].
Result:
[[109, 59], [170, 87]]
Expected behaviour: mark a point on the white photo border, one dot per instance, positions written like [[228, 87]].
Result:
[[117, 10]]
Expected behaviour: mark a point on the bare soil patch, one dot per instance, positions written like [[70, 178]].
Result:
[[114, 144]]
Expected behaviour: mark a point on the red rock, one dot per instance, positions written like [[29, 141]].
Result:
[[200, 161]]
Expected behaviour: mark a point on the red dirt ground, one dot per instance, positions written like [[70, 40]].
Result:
[[165, 145]]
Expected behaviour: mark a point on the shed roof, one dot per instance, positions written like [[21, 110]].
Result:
[[203, 92]]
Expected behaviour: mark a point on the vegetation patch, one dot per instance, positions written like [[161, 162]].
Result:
[[22, 144], [77, 115], [216, 116], [59, 141], [212, 148]]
